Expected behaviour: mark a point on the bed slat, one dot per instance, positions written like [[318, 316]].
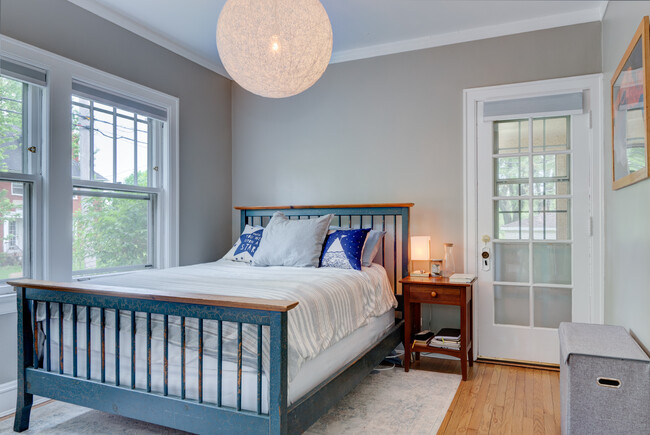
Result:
[[48, 346], [165, 355], [60, 338], [182, 357], [88, 342], [148, 352], [132, 350], [219, 360], [117, 347], [259, 369], [239, 364], [35, 333], [102, 329], [74, 341], [200, 361]]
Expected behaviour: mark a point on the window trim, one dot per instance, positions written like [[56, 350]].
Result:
[[55, 195]]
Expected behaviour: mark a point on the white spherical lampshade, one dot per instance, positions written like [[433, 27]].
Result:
[[274, 48]]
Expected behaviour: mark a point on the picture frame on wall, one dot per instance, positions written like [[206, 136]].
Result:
[[630, 160]]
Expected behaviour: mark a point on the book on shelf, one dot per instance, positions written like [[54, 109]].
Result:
[[421, 338], [443, 344], [449, 334], [463, 278]]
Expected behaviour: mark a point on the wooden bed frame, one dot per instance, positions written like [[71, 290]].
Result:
[[40, 378]]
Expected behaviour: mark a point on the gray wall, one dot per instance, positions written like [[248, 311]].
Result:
[[627, 242], [205, 143], [389, 129], [205, 140]]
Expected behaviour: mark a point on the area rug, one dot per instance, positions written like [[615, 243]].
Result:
[[387, 401]]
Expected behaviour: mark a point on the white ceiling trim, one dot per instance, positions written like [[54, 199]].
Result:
[[512, 28], [145, 32]]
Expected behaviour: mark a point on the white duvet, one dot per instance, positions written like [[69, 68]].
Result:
[[332, 303]]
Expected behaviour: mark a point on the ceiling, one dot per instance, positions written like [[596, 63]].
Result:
[[362, 28]]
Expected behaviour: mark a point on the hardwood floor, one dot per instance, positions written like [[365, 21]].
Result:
[[498, 399]]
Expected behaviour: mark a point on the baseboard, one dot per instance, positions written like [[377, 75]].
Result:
[[517, 363], [8, 398]]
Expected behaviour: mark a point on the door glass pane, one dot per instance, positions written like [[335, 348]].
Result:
[[551, 219], [552, 263], [511, 175], [511, 219], [551, 174], [511, 305], [552, 306], [511, 136], [551, 134], [511, 261]]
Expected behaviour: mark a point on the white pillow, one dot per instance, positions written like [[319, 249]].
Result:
[[288, 242], [371, 247], [246, 245]]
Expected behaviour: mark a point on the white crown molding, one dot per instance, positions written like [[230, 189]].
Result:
[[603, 9], [145, 32], [523, 26]]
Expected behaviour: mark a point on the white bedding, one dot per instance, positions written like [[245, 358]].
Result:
[[333, 303]]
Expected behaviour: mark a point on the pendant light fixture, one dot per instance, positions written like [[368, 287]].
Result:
[[274, 48]]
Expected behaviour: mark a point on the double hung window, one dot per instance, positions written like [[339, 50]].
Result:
[[21, 126], [116, 144]]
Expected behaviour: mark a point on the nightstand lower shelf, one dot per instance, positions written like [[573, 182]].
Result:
[[441, 350]]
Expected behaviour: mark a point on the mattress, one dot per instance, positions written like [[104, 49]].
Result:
[[340, 312]]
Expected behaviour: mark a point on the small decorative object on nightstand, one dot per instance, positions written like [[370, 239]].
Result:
[[420, 251], [437, 290]]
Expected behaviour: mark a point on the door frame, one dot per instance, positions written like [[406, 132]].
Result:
[[593, 84]]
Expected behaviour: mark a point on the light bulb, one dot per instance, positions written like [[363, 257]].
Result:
[[275, 43]]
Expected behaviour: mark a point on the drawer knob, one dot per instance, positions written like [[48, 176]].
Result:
[[434, 294]]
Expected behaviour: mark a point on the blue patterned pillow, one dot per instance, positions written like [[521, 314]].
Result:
[[245, 247], [343, 249]]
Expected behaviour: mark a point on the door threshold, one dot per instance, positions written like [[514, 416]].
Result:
[[519, 363]]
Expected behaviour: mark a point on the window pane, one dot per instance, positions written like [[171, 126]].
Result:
[[511, 305], [12, 230], [110, 231], [13, 123], [102, 151], [551, 218], [109, 144], [511, 219], [511, 136], [125, 150], [511, 261], [552, 263], [552, 306], [511, 175], [551, 134]]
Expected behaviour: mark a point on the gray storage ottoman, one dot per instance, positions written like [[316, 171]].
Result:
[[604, 381]]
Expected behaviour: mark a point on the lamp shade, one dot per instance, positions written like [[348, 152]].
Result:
[[274, 48], [420, 247]]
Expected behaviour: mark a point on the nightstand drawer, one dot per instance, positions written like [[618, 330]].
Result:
[[435, 295]]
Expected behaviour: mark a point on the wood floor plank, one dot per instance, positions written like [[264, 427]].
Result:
[[505, 400]]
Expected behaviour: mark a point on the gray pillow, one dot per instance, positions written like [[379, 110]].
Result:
[[288, 242], [371, 248]]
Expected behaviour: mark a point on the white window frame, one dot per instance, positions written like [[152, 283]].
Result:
[[13, 191], [52, 259], [32, 182]]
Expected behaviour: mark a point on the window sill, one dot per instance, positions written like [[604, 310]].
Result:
[[7, 303]]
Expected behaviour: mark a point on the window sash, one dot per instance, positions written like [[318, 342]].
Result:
[[152, 197]]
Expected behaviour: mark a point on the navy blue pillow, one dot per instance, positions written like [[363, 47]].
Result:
[[343, 249]]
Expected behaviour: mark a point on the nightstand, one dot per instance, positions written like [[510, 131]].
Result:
[[439, 291]]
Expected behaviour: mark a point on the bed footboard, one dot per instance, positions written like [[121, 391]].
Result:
[[46, 377]]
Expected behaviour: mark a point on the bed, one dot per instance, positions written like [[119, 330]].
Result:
[[183, 348]]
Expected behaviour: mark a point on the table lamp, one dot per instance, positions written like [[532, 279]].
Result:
[[420, 251]]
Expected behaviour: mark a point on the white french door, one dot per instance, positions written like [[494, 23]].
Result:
[[534, 230]]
